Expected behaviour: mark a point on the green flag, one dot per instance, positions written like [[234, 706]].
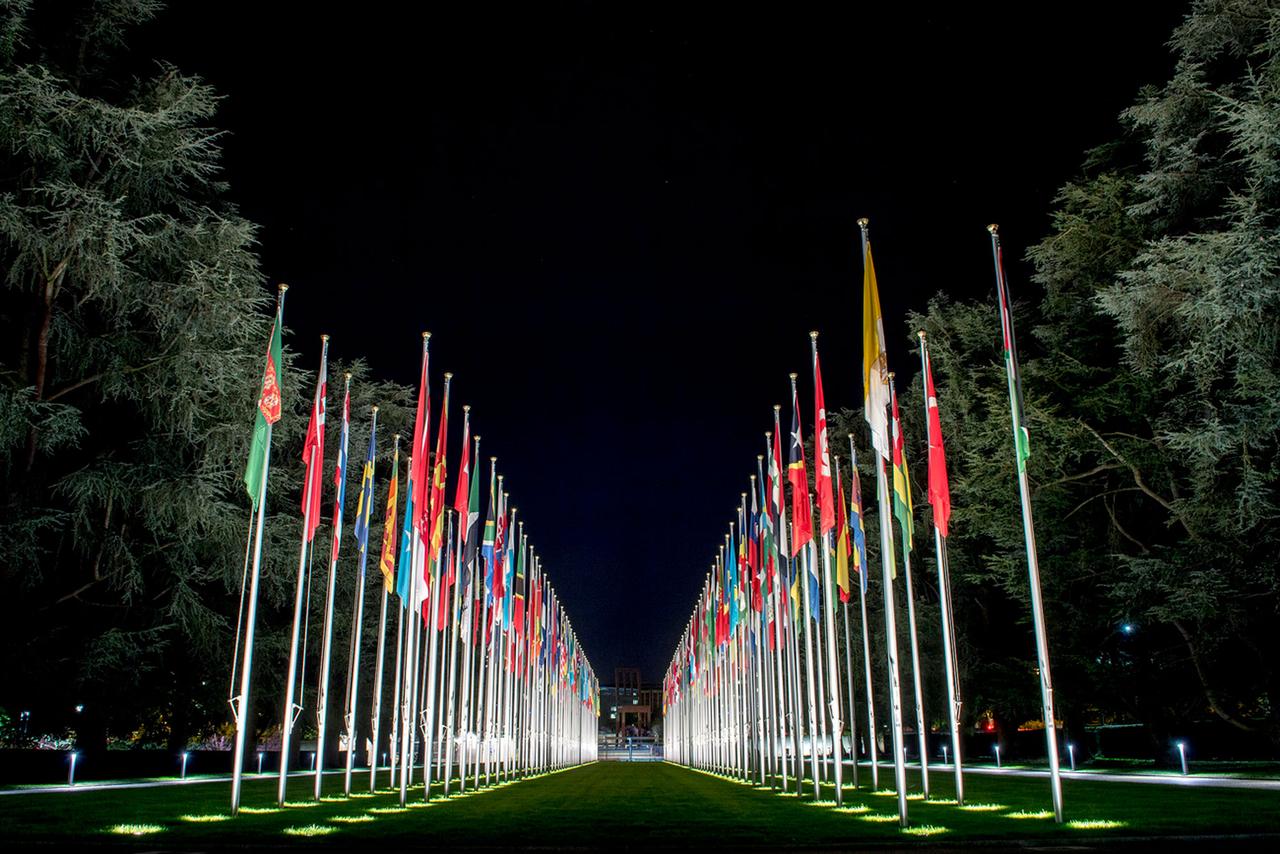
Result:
[[268, 414]]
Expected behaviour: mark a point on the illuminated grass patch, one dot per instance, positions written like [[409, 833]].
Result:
[[201, 819], [1095, 824], [136, 829], [301, 805], [362, 794], [827, 804], [351, 819], [1037, 814], [259, 810], [944, 802], [926, 830], [983, 807], [880, 818], [309, 830], [858, 809], [332, 799], [885, 793], [387, 810]]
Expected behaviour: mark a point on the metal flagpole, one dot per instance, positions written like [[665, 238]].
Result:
[[922, 733], [408, 710], [357, 627], [866, 652], [322, 700], [1020, 442], [291, 707], [853, 710], [378, 674], [398, 676], [450, 730], [240, 705], [944, 600], [890, 618]]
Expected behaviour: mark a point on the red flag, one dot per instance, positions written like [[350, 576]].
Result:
[[939, 492], [822, 451], [798, 476], [420, 452], [313, 452], [462, 494]]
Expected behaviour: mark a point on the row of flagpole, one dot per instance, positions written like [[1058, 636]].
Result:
[[753, 690], [489, 682]]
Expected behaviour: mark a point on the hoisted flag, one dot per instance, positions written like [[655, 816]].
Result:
[[313, 449], [798, 476], [821, 449], [875, 361], [901, 486], [843, 547], [364, 504], [268, 414], [340, 473], [387, 563], [939, 491]]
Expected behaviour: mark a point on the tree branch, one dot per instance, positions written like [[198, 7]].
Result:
[[1209, 694], [1139, 481]]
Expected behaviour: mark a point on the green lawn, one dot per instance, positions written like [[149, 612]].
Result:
[[632, 804]]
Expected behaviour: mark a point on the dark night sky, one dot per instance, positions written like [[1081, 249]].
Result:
[[620, 221]]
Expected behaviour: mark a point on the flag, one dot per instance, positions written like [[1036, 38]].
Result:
[[364, 504], [404, 576], [255, 472], [387, 563], [313, 451], [939, 491], [420, 477], [875, 361], [775, 483], [855, 523], [801, 508], [901, 486], [462, 493], [753, 550], [1021, 439], [437, 499], [821, 451], [517, 616], [340, 474], [843, 546], [490, 532]]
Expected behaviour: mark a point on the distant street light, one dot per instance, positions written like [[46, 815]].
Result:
[[259, 761], [944, 754], [1071, 752], [1182, 754], [1127, 628], [71, 777], [185, 757], [997, 755]]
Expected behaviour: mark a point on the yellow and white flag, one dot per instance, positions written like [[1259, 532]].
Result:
[[875, 362]]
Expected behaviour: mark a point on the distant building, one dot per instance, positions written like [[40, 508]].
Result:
[[629, 702]]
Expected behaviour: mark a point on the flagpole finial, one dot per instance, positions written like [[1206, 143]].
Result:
[[813, 336], [863, 222], [476, 437], [493, 459], [426, 335], [283, 287], [921, 334], [448, 375], [758, 457], [891, 375], [346, 375], [994, 228], [395, 437], [466, 407], [793, 379], [373, 408], [777, 407], [325, 337]]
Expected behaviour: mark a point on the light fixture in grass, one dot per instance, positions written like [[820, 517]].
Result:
[[309, 830], [926, 830], [136, 829], [1096, 824]]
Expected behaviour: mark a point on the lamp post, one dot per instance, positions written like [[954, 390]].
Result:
[[944, 754], [997, 755], [1071, 754], [71, 776], [1182, 754], [259, 761], [185, 757]]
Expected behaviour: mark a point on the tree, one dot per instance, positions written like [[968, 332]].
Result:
[[134, 327]]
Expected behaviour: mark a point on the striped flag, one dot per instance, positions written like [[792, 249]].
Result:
[[364, 504], [387, 562], [268, 413], [875, 361], [340, 473], [798, 476], [901, 485]]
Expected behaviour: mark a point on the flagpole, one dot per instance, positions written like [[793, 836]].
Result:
[[327, 643], [1028, 526], [866, 649], [450, 732], [922, 734], [240, 708], [291, 708], [944, 597], [396, 743], [890, 618], [378, 676], [357, 625]]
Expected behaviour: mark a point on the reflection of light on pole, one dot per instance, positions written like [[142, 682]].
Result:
[[1182, 754], [71, 777], [259, 761], [997, 755], [1071, 752], [185, 757]]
